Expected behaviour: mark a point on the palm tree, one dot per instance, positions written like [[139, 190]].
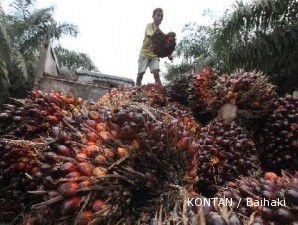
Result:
[[11, 62], [74, 60], [21, 35], [261, 35], [26, 27], [195, 50]]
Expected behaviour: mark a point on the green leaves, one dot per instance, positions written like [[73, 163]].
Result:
[[21, 33], [73, 60], [262, 35]]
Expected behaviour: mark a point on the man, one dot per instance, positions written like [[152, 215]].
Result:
[[147, 58]]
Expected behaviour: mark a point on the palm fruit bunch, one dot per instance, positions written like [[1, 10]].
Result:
[[161, 162], [174, 110], [179, 89], [37, 114], [28, 128], [162, 44], [205, 96], [17, 161], [279, 134], [243, 95], [201, 92], [155, 99], [194, 209], [151, 94], [267, 200], [96, 165], [251, 92], [226, 151]]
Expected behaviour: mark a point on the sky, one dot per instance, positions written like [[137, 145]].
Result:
[[112, 31]]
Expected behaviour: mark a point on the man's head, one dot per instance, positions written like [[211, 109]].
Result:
[[157, 16]]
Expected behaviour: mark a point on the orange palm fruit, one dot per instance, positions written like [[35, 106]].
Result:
[[104, 135], [91, 137], [100, 127], [63, 150], [99, 171], [69, 205], [97, 205], [109, 153], [68, 188], [84, 217], [85, 168], [122, 152]]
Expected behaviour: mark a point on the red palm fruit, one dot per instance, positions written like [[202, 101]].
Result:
[[52, 119], [90, 143], [21, 165], [85, 168], [63, 150], [24, 159], [73, 174], [104, 135], [81, 157], [91, 123], [65, 136], [193, 147], [182, 143], [84, 184], [97, 205], [84, 217], [53, 96], [70, 99], [270, 176], [37, 140], [69, 205], [122, 152], [114, 134], [193, 173], [109, 153], [34, 94], [100, 127], [68, 188], [55, 107], [43, 113], [92, 148], [68, 167], [34, 170], [99, 171], [91, 137], [101, 158], [93, 115]]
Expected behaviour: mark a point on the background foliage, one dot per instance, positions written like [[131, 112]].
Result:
[[255, 36], [21, 33]]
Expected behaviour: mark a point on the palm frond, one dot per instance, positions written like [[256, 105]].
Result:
[[4, 40], [74, 60], [21, 64]]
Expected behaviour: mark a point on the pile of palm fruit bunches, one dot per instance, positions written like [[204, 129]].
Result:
[[207, 149]]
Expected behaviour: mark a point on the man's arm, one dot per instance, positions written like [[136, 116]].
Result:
[[149, 30]]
